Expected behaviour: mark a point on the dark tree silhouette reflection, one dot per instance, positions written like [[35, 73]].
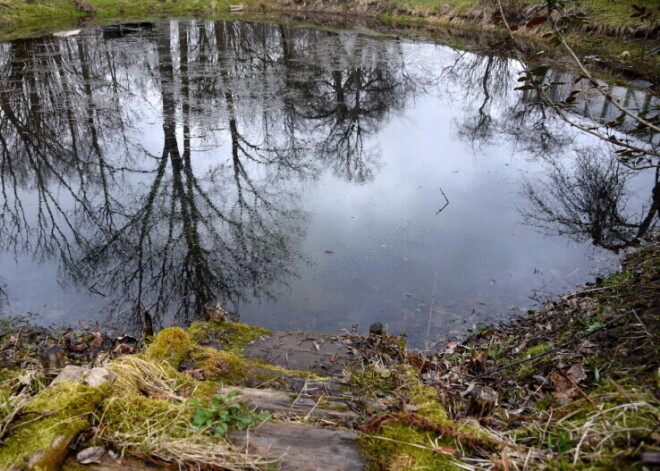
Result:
[[162, 173], [492, 109], [585, 199], [589, 201]]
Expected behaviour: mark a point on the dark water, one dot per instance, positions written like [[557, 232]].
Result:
[[311, 180]]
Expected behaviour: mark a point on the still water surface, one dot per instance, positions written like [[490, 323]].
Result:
[[311, 180]]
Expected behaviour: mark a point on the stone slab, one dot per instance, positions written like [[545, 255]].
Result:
[[302, 447], [324, 355], [294, 405]]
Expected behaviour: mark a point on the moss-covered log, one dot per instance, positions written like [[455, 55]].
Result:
[[40, 439]]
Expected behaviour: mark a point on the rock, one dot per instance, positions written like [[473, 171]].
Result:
[[303, 352], [298, 405], [639, 84], [94, 377], [376, 329], [52, 358], [289, 381], [99, 376], [90, 455], [302, 447], [66, 34]]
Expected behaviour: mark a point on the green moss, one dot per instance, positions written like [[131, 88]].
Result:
[[428, 404], [48, 425], [173, 345], [199, 331], [372, 381], [265, 371], [232, 335], [401, 447], [536, 350], [220, 365]]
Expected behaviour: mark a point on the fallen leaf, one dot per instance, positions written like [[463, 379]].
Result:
[[151, 459], [468, 390], [196, 373], [451, 347], [576, 373], [587, 347], [334, 357], [77, 347], [560, 382], [98, 340], [90, 455], [565, 396], [123, 349]]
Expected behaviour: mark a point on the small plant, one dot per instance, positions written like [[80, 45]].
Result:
[[223, 412], [621, 277], [561, 442]]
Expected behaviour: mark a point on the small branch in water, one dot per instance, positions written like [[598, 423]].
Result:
[[446, 202]]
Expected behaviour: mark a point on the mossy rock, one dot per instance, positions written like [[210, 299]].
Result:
[[220, 365], [172, 345], [232, 335], [50, 422]]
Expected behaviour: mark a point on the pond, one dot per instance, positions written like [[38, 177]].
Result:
[[307, 179]]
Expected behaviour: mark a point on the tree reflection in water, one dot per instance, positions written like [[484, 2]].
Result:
[[493, 109], [589, 201], [584, 200], [214, 214]]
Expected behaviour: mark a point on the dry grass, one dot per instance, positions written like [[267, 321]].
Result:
[[136, 375], [149, 417]]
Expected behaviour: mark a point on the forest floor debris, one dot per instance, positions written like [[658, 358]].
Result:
[[571, 386]]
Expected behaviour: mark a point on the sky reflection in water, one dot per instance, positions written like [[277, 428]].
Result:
[[295, 174]]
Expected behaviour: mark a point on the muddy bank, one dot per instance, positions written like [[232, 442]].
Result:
[[570, 386], [609, 33]]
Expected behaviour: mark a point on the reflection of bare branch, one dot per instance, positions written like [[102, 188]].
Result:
[[165, 230], [630, 152], [490, 111], [588, 203]]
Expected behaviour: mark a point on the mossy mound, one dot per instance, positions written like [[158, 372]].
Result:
[[220, 365], [172, 345], [232, 335], [40, 439], [175, 346], [402, 447], [143, 421]]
